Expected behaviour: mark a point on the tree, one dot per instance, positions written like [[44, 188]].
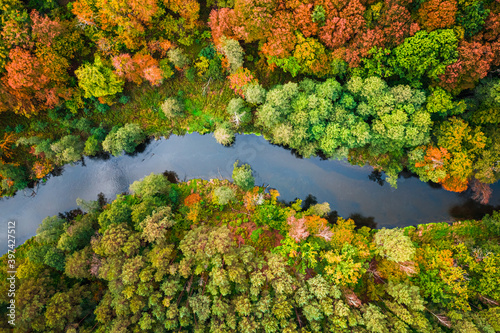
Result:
[[394, 245], [223, 195], [240, 113], [172, 108], [425, 54], [254, 93], [125, 138], [97, 80], [437, 14], [472, 65], [178, 58], [242, 176], [224, 134], [50, 230], [233, 52], [153, 184], [68, 149]]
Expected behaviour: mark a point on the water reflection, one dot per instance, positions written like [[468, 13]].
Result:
[[363, 221], [376, 176]]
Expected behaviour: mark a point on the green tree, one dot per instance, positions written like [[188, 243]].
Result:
[[97, 80], [425, 55], [224, 134], [153, 184], [394, 245], [172, 108], [125, 138], [224, 195]]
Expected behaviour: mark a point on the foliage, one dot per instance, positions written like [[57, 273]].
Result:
[[125, 138], [97, 80]]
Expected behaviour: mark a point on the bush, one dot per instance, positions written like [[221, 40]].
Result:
[[125, 138], [172, 108], [242, 176], [223, 195], [224, 134]]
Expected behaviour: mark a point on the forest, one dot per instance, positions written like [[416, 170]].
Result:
[[400, 85], [396, 84], [216, 256]]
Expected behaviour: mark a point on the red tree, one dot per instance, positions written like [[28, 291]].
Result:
[[437, 14], [472, 65]]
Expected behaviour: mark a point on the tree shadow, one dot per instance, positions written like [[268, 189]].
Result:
[[363, 221], [309, 201], [471, 210], [171, 176], [141, 147]]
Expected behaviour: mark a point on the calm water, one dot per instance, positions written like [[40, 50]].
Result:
[[348, 189]]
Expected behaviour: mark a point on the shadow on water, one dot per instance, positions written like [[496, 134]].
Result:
[[70, 215], [309, 201], [376, 176], [471, 210], [363, 221], [171, 176], [100, 156], [58, 171], [140, 148]]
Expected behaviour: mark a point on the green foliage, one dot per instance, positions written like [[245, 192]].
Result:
[[172, 108], [97, 80], [124, 138], [68, 149], [254, 93], [151, 185], [178, 58], [233, 52], [394, 245], [425, 55], [50, 230], [471, 16], [224, 195], [224, 134], [242, 176]]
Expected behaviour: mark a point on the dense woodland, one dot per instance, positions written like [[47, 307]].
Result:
[[395, 83], [213, 256]]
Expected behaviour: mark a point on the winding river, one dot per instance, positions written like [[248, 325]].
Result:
[[349, 189]]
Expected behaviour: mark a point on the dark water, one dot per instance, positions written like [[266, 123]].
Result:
[[350, 190]]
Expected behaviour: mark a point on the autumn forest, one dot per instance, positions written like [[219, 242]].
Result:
[[396, 85]]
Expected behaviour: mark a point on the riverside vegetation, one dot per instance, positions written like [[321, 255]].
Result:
[[215, 256]]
